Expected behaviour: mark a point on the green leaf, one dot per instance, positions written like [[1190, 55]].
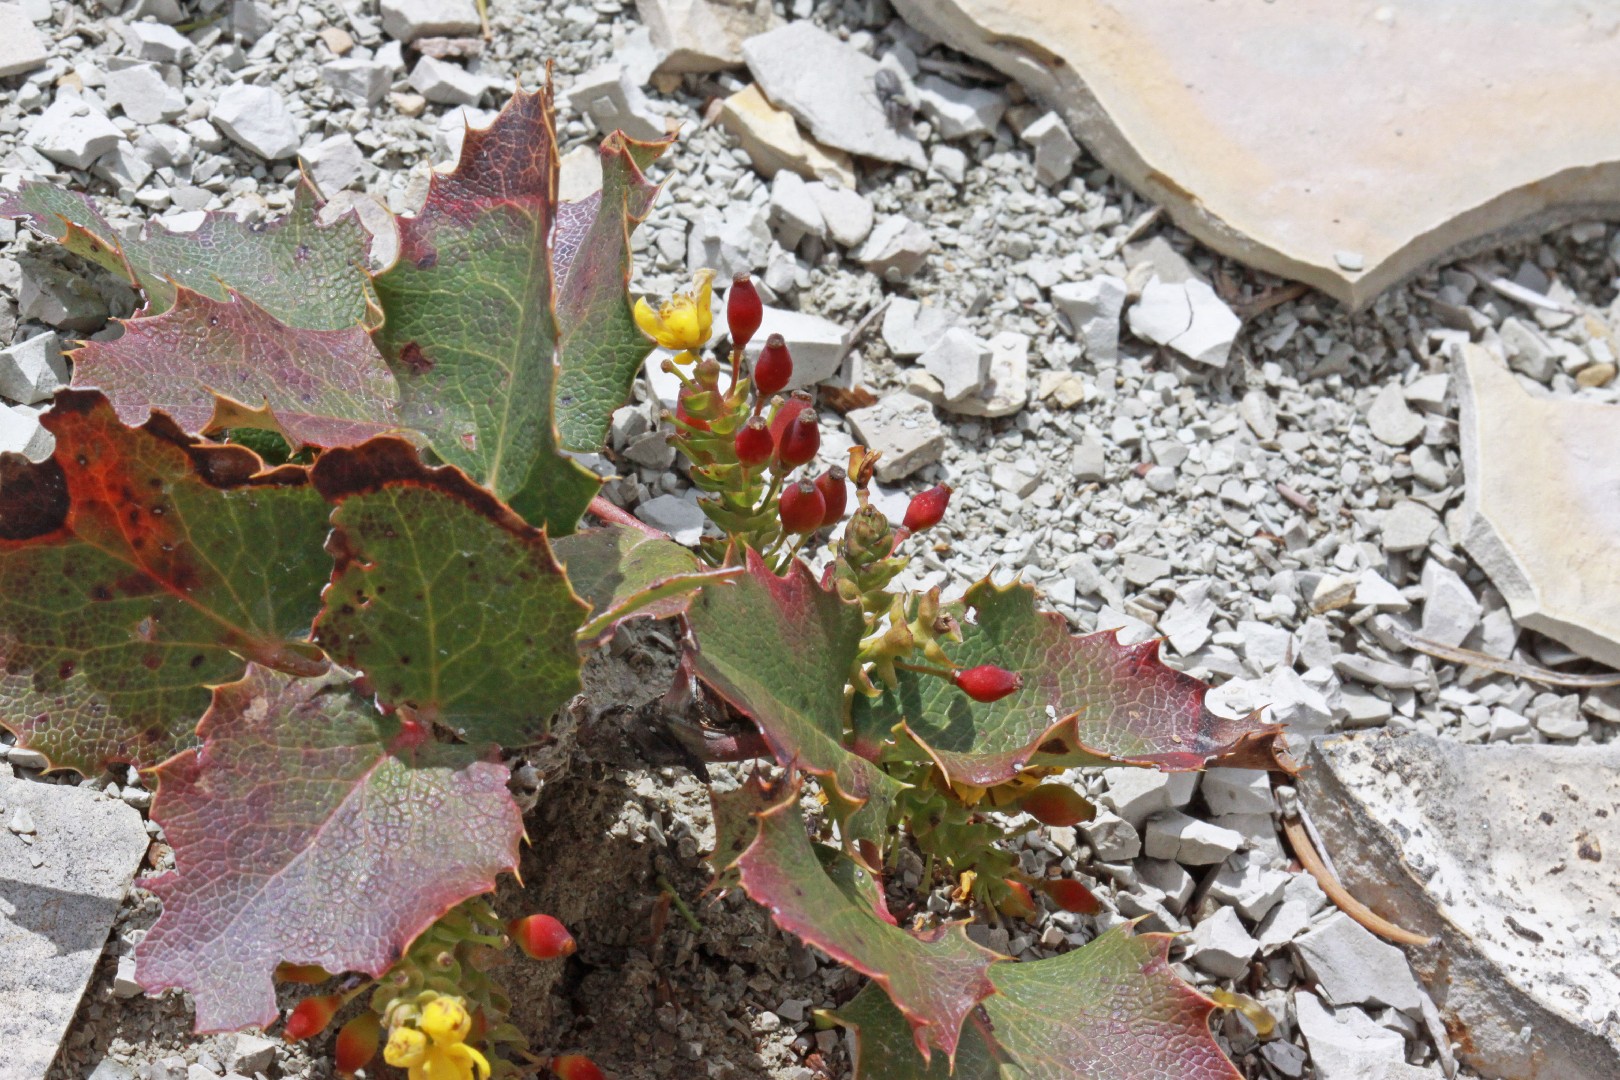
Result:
[[1086, 699], [138, 567], [780, 649], [449, 602], [305, 274], [936, 979], [600, 348], [1111, 1010], [624, 573], [309, 830], [735, 824], [214, 364], [469, 326]]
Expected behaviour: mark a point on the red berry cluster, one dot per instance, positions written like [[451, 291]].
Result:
[[746, 440]]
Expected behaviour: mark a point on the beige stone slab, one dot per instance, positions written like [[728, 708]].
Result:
[[1504, 856], [1543, 504], [55, 916], [774, 141], [1310, 138]]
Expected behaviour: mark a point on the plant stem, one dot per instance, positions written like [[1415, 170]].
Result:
[[680, 905], [927, 669]]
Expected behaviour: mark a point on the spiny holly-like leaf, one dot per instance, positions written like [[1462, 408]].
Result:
[[306, 274], [1112, 1010], [450, 603], [736, 823], [599, 348], [1085, 698], [780, 650], [137, 568], [307, 829], [624, 573], [885, 1049], [935, 979], [470, 328], [214, 364]]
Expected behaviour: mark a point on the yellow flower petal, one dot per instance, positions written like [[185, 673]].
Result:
[[446, 1020], [406, 1048], [472, 1059], [703, 281], [647, 319]]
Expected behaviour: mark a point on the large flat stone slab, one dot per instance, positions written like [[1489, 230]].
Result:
[[1506, 855], [55, 917], [1543, 504], [1343, 145]]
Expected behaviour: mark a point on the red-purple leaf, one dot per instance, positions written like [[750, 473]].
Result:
[[311, 830], [304, 273], [1085, 699], [137, 568], [934, 978], [781, 649], [214, 364], [1111, 1010]]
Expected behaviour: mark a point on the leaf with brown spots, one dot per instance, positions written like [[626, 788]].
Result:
[[212, 364], [138, 567], [470, 325], [451, 604]]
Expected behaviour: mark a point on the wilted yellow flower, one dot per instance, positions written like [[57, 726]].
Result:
[[684, 321], [434, 1049]]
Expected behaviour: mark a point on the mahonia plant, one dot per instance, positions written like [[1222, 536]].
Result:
[[327, 659]]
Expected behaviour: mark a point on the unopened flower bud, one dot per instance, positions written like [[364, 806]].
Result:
[[987, 682], [801, 508], [927, 508], [773, 369], [834, 487], [744, 312]]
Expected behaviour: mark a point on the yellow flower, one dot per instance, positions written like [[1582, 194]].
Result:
[[683, 322], [406, 1048], [434, 1049], [445, 1020]]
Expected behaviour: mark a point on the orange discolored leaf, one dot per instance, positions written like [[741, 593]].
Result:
[[138, 567]]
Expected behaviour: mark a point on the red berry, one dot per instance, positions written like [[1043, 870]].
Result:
[[927, 508], [1072, 896], [1018, 903], [987, 683], [310, 1017], [787, 413], [834, 487], [356, 1043], [541, 937], [754, 444], [802, 507], [800, 440], [774, 366], [576, 1067], [744, 312], [1055, 804]]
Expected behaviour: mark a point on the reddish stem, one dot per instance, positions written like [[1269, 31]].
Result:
[[615, 515], [743, 746]]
